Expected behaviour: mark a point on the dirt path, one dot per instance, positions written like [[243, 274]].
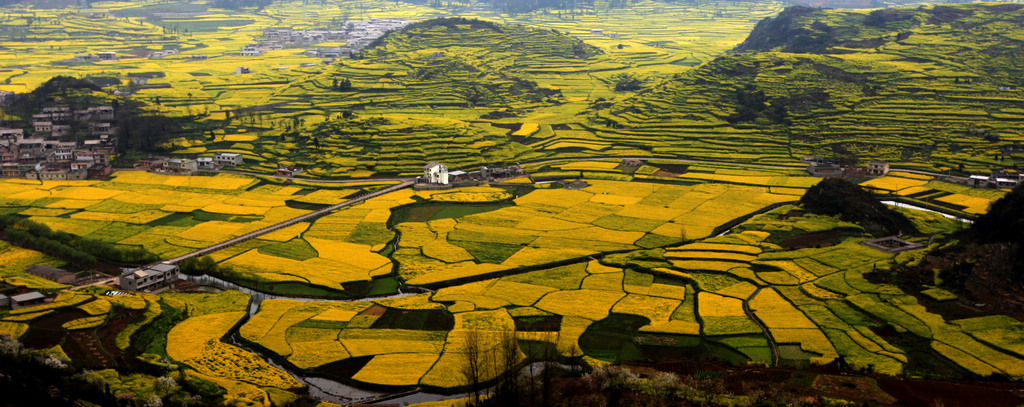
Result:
[[767, 334]]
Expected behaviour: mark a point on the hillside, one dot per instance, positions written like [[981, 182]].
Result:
[[933, 88], [833, 196], [478, 71]]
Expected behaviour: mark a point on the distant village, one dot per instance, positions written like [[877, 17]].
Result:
[[65, 144], [834, 168], [356, 35]]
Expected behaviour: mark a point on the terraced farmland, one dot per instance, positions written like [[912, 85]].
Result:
[[746, 296], [843, 83]]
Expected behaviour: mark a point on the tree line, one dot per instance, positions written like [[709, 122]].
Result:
[[65, 246]]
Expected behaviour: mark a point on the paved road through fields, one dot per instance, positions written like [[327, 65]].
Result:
[[406, 182]]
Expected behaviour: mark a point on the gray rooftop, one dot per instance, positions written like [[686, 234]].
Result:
[[163, 267], [27, 297]]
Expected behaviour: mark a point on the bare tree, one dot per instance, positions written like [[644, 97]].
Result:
[[573, 352], [508, 357], [472, 367]]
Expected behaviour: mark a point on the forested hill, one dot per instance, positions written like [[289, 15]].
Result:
[[935, 88]]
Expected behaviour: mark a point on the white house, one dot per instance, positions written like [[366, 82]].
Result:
[[251, 50], [435, 173], [227, 158]]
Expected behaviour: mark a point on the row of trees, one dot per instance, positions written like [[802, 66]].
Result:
[[73, 249]]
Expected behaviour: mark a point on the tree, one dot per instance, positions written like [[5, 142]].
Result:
[[508, 358], [472, 363]]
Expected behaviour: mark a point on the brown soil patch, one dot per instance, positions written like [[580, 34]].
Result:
[[852, 388], [47, 331], [375, 311]]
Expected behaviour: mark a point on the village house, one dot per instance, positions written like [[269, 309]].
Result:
[[43, 126], [99, 171], [199, 57], [60, 130], [435, 173], [59, 172], [11, 134], [205, 163], [30, 148], [27, 299], [56, 113], [100, 128], [251, 50], [288, 170], [99, 156], [227, 158], [84, 58], [877, 168], [54, 274], [181, 165], [107, 56], [164, 53], [152, 162], [64, 151], [149, 278], [95, 113], [81, 164], [825, 170]]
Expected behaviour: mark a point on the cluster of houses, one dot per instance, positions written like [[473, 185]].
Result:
[[437, 176], [149, 279], [834, 168], [64, 144], [188, 166], [17, 297], [103, 56], [996, 179], [356, 35]]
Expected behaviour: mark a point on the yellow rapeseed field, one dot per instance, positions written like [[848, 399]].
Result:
[[585, 303], [188, 338], [398, 369]]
